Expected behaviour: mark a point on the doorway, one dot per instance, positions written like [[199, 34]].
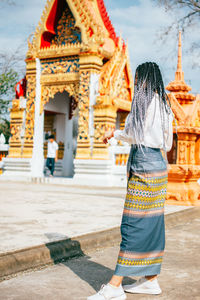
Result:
[[59, 121]]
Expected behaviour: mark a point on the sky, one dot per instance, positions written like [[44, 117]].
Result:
[[138, 21]]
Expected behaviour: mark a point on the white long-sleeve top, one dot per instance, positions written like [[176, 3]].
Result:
[[153, 132]]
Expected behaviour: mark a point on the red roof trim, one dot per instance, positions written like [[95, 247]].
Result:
[[56, 12], [107, 21], [52, 20]]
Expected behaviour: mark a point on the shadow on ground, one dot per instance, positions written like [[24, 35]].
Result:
[[70, 254]]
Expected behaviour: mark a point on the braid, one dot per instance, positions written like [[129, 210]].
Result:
[[149, 82]]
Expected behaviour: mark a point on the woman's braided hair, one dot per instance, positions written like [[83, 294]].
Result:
[[148, 82]]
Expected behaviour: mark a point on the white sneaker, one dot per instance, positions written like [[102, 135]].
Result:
[[108, 292], [144, 286]]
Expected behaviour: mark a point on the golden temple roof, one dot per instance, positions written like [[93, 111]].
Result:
[[91, 17]]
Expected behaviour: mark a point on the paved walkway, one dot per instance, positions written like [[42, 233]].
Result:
[[78, 278], [33, 214]]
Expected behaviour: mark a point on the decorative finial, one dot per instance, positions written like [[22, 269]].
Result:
[[179, 84], [179, 72]]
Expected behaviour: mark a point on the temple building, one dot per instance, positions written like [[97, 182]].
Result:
[[79, 84]]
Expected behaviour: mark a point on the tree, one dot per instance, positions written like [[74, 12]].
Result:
[[189, 8], [7, 83], [9, 63], [5, 129], [12, 68], [186, 17]]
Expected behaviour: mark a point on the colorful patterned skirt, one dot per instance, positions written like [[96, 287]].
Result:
[[142, 227]]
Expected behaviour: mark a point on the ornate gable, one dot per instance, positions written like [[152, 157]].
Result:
[[67, 24], [116, 79], [66, 31]]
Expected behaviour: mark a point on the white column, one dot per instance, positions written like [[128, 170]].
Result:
[[37, 163], [68, 153], [94, 89]]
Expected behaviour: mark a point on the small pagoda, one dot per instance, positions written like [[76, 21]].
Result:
[[184, 158]]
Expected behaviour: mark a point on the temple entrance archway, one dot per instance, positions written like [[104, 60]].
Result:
[[58, 120]]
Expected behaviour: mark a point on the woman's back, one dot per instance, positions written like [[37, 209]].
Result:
[[153, 128]]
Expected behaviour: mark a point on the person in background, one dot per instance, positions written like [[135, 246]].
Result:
[[148, 129], [52, 154]]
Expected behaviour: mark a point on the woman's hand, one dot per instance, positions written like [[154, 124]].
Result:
[[108, 135]]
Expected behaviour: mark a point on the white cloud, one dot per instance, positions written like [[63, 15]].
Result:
[[138, 20], [18, 22], [140, 25]]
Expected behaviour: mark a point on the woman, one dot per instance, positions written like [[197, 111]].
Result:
[[148, 128]]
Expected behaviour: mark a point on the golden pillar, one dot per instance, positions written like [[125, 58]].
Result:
[[104, 119], [16, 126], [30, 108], [89, 63]]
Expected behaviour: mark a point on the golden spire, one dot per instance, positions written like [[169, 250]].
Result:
[[179, 85], [179, 76]]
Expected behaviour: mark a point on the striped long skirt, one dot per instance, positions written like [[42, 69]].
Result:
[[142, 227]]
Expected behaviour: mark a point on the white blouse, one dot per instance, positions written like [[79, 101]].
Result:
[[153, 133]]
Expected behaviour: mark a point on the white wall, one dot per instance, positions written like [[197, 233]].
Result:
[[58, 104], [59, 125], [63, 126], [68, 167]]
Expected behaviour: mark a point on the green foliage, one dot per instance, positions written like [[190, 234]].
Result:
[[5, 129], [8, 81]]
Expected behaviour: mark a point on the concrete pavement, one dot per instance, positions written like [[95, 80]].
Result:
[[78, 278], [35, 214], [43, 223]]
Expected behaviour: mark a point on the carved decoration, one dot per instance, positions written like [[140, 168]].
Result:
[[192, 153], [107, 71], [17, 119], [60, 51], [15, 133], [60, 78], [50, 91], [82, 15], [60, 66], [15, 104], [116, 81], [101, 128], [104, 119], [87, 15], [91, 19], [123, 88], [182, 152], [84, 98], [66, 32], [177, 109], [30, 109]]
